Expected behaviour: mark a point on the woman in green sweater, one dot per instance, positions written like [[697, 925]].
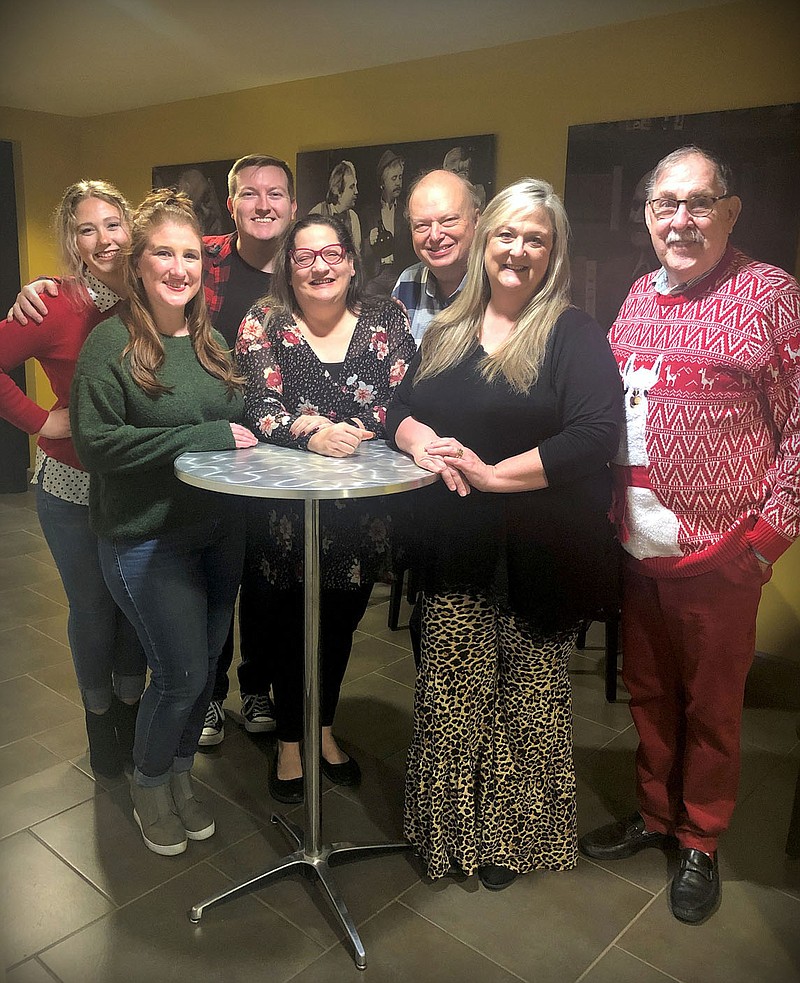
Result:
[[151, 383]]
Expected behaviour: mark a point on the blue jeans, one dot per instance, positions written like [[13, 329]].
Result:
[[178, 591], [105, 650]]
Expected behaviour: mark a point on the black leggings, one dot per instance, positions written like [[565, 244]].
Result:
[[340, 613]]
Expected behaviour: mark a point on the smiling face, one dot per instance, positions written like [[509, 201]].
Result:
[[443, 219], [100, 237], [517, 255], [687, 245], [321, 282], [261, 208], [170, 266]]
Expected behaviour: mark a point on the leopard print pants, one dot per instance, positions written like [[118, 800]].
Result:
[[490, 776]]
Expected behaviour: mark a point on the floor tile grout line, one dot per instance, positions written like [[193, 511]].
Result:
[[619, 876], [46, 969], [644, 962], [461, 941], [619, 935], [59, 812], [266, 904], [784, 892], [113, 911], [61, 604], [343, 939]]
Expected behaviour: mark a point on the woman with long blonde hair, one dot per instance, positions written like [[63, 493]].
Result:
[[514, 400], [152, 382], [92, 226]]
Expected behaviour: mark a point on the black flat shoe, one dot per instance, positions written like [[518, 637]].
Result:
[[290, 791], [615, 841], [347, 773], [496, 878], [695, 890]]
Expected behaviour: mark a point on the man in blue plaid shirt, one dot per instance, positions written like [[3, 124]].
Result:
[[442, 210]]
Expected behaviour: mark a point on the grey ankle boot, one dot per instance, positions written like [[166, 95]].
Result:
[[155, 812], [195, 816]]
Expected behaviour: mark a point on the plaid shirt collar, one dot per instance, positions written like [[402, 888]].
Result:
[[217, 259]]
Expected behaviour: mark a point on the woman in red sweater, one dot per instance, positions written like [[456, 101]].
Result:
[[92, 223]]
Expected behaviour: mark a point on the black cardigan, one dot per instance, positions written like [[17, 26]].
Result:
[[551, 553]]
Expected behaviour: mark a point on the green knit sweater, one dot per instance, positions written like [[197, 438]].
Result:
[[128, 440]]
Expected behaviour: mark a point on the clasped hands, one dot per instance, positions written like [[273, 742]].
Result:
[[328, 438], [459, 467]]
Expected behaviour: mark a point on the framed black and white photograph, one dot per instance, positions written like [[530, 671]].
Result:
[[367, 188], [206, 183], [608, 166]]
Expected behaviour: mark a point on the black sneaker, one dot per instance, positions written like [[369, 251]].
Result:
[[615, 841], [214, 725], [695, 890], [258, 714]]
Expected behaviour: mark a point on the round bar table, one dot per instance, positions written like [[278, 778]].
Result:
[[279, 472]]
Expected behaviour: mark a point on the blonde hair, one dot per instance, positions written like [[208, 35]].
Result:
[[145, 350], [65, 225], [454, 333]]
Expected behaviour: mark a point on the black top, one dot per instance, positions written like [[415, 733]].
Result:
[[245, 286], [550, 553]]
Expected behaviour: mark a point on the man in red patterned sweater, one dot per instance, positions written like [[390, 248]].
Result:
[[708, 497]]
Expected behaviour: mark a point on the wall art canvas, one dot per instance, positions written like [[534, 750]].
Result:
[[367, 188], [608, 165], [206, 183]]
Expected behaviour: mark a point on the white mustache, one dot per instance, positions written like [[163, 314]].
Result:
[[690, 235]]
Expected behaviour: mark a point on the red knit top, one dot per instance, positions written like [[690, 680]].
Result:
[[718, 441], [55, 344]]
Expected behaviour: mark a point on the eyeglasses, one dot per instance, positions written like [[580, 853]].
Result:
[[698, 205], [332, 255]]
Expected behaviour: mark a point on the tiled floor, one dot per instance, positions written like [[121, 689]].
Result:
[[84, 901]]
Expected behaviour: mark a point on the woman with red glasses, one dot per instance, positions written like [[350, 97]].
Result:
[[321, 364]]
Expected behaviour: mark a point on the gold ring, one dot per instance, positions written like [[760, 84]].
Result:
[[460, 452]]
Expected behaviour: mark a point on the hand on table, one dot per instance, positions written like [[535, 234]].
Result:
[[308, 423], [338, 440], [242, 436]]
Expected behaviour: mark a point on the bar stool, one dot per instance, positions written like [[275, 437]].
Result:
[[611, 651]]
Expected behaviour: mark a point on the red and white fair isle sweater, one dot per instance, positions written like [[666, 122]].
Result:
[[709, 464]]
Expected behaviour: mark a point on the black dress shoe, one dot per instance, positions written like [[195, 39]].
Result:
[[496, 878], [287, 790], [347, 773], [695, 890], [616, 841]]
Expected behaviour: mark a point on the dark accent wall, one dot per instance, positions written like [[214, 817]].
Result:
[[14, 453]]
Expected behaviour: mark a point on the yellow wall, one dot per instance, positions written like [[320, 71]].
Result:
[[528, 94], [46, 160]]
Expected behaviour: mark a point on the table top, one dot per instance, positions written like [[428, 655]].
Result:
[[266, 471]]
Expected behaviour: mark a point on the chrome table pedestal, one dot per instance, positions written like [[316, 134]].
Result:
[[276, 472]]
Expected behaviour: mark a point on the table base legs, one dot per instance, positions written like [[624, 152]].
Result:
[[321, 867]]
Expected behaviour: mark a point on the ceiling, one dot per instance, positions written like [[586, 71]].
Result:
[[87, 57]]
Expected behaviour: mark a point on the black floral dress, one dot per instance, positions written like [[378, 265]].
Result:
[[285, 379]]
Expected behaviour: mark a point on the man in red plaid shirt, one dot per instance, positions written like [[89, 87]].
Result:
[[237, 270]]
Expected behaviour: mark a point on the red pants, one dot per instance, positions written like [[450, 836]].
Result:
[[688, 644]]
